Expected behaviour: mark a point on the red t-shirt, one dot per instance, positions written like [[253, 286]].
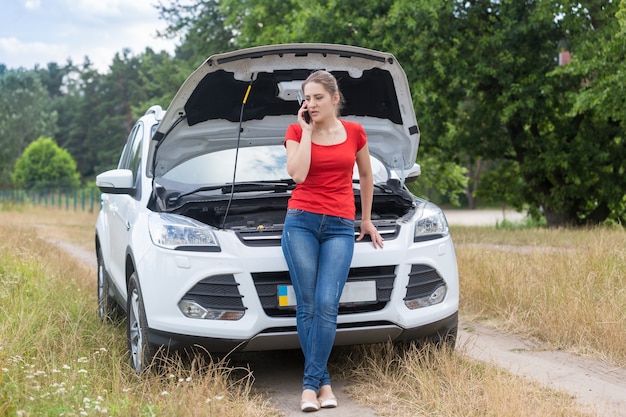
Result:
[[327, 188]]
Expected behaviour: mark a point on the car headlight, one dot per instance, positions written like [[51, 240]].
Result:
[[172, 231], [430, 223]]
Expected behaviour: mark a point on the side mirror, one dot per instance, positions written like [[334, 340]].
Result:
[[116, 181]]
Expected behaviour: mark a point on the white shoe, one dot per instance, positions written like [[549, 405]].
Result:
[[309, 405], [330, 402]]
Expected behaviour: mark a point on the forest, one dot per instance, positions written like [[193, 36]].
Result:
[[519, 102]]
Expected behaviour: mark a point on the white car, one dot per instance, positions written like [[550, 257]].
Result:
[[188, 236]]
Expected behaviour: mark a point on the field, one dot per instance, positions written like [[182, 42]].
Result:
[[565, 288]]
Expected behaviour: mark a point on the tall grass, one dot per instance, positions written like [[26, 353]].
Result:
[[565, 287], [56, 358], [429, 382]]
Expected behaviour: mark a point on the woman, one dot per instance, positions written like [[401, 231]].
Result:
[[318, 237]]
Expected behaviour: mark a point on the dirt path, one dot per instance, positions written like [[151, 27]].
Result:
[[597, 386]]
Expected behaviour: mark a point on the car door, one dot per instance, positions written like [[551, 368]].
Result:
[[121, 208]]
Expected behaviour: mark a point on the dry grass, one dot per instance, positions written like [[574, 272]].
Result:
[[565, 287], [56, 224], [57, 359], [424, 382]]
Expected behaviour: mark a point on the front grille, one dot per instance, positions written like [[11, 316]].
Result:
[[271, 236], [423, 281], [219, 292], [267, 283]]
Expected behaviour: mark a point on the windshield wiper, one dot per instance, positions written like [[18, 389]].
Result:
[[239, 187], [277, 186], [174, 200]]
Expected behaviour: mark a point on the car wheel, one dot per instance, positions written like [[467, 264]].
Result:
[[141, 351], [108, 309]]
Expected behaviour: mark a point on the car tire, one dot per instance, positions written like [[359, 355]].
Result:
[[108, 309], [142, 353]]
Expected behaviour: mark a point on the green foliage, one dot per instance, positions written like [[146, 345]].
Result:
[[502, 182], [439, 178], [500, 120], [202, 26], [26, 112], [44, 165]]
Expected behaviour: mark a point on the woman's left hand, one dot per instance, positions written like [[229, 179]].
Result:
[[368, 228]]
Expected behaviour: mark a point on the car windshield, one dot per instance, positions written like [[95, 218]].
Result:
[[254, 164]]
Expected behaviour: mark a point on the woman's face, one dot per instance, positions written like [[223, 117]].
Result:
[[320, 103]]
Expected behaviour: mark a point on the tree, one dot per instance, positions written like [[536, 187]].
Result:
[[202, 26], [45, 165], [599, 66], [569, 158], [26, 112], [160, 75]]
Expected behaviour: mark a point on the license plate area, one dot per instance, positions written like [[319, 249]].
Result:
[[354, 292]]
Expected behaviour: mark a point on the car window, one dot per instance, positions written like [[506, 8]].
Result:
[[124, 158], [259, 163], [134, 161], [131, 156]]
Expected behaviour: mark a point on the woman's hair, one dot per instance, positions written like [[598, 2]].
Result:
[[329, 82]]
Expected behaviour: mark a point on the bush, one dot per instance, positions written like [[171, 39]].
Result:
[[45, 165]]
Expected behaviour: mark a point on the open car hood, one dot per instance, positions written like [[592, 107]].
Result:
[[208, 111]]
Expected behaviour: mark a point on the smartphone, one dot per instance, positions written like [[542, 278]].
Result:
[[306, 115]]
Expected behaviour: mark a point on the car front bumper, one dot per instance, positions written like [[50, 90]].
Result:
[[166, 277]]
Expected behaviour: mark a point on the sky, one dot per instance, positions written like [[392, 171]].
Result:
[[36, 32]]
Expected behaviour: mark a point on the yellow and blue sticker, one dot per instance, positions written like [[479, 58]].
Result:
[[283, 296]]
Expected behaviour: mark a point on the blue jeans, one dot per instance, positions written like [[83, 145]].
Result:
[[318, 250]]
